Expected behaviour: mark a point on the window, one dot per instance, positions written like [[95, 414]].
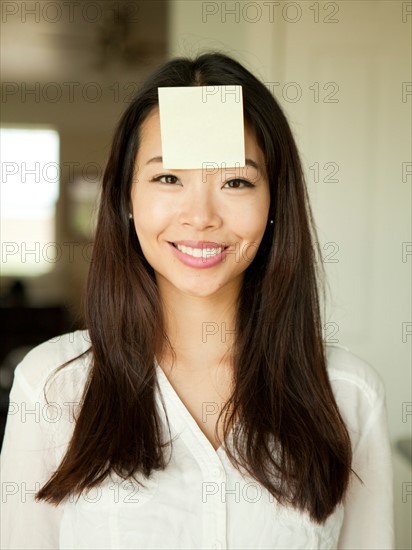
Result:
[[30, 176]]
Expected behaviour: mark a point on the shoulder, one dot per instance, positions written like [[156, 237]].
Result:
[[346, 368], [358, 389], [44, 360]]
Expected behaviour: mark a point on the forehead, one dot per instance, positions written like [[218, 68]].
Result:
[[151, 142]]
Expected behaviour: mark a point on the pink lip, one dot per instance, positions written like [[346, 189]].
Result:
[[198, 262]]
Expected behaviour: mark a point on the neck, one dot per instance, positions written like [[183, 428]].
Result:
[[200, 329]]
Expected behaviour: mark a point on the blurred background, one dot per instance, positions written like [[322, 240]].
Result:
[[342, 73]]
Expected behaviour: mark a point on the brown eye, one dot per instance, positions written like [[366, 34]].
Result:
[[168, 176], [240, 181]]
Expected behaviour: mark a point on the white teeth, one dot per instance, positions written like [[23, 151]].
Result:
[[199, 252]]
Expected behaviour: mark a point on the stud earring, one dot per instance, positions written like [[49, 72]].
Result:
[[271, 222], [130, 216]]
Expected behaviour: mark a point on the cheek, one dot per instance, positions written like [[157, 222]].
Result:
[[151, 216], [253, 224]]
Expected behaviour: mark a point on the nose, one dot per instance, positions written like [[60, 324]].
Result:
[[199, 206]]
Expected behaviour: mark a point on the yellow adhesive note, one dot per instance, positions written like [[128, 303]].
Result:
[[202, 126]]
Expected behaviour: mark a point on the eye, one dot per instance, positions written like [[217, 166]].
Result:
[[170, 179], [245, 182], [169, 176]]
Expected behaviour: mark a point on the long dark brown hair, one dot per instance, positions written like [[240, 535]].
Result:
[[291, 437]]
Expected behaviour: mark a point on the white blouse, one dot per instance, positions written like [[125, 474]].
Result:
[[200, 501]]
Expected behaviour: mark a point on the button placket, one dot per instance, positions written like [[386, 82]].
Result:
[[208, 459]]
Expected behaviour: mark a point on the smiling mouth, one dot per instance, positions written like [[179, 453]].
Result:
[[205, 252]]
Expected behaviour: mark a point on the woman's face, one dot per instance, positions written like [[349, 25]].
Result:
[[202, 206]]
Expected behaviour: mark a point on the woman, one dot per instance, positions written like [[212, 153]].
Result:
[[201, 407]]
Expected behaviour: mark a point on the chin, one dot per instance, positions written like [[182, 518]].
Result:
[[199, 292]]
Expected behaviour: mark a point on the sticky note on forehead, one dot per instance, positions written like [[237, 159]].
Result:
[[202, 125]]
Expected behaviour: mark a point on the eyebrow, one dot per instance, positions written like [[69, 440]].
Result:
[[248, 162]]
